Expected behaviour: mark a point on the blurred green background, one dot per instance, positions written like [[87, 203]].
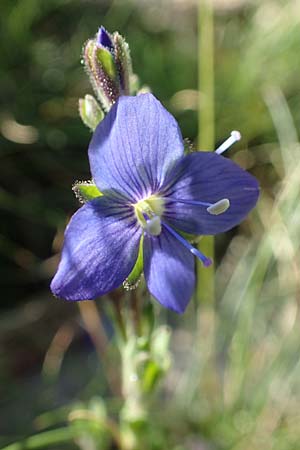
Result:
[[234, 384]]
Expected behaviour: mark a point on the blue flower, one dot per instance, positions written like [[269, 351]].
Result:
[[151, 190]]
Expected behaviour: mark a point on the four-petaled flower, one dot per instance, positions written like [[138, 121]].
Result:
[[150, 191]]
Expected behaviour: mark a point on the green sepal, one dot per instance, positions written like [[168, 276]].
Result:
[[133, 278], [85, 191], [106, 59], [123, 62], [90, 111], [87, 53], [87, 59], [101, 69]]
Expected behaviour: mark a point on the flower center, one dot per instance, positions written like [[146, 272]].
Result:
[[148, 213]]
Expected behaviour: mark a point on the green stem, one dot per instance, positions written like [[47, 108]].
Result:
[[119, 320], [206, 140], [136, 312]]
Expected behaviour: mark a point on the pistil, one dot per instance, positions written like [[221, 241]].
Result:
[[204, 259]]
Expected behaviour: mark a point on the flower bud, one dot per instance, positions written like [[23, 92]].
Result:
[[108, 64], [100, 66], [90, 111]]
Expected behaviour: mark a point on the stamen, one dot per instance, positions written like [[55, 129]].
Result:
[[219, 207], [216, 208], [204, 259], [234, 137], [188, 202]]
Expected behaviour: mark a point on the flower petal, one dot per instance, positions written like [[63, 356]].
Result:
[[208, 177], [134, 147], [169, 270], [100, 249]]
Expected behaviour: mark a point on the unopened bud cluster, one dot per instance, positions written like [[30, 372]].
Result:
[[108, 64]]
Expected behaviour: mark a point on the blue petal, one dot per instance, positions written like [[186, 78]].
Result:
[[100, 249], [104, 39], [169, 270], [134, 147], [208, 177]]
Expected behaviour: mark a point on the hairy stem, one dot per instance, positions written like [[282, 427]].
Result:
[[136, 311], [119, 320]]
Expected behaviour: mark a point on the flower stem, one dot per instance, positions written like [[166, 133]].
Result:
[[205, 291], [205, 276], [136, 312], [119, 320]]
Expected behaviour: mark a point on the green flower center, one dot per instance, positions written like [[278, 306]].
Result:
[[148, 213]]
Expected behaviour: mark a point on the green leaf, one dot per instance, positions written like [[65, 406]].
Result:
[[85, 191], [151, 376]]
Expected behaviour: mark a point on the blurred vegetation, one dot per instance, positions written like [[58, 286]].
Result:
[[235, 386]]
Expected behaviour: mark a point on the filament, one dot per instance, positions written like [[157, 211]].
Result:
[[215, 209], [235, 136]]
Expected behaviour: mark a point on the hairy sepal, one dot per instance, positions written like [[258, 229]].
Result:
[[85, 191]]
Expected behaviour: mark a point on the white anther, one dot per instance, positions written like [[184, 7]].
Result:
[[153, 226], [219, 207], [234, 137]]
